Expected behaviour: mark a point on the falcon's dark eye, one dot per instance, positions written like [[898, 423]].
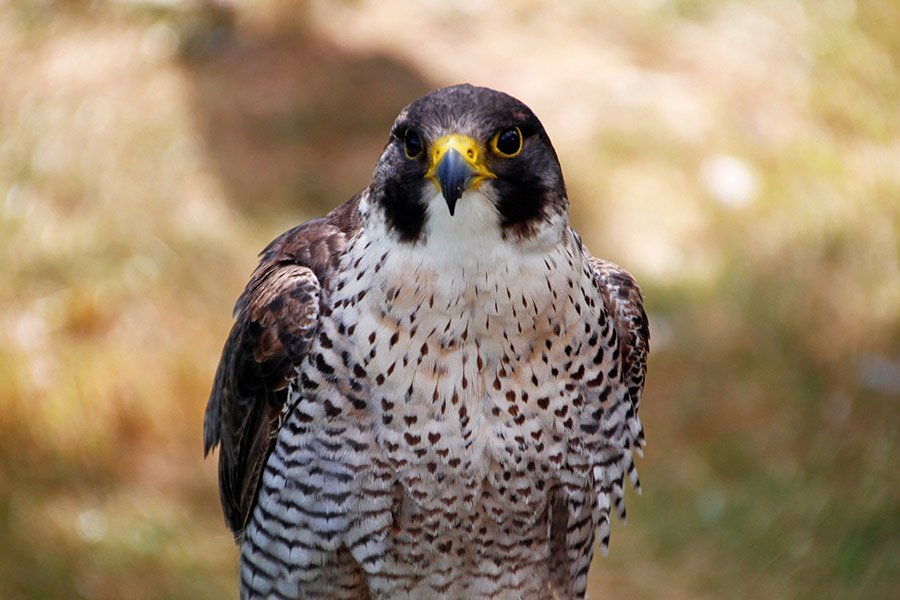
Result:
[[508, 142], [412, 143]]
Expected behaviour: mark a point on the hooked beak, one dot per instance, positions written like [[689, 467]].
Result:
[[457, 165]]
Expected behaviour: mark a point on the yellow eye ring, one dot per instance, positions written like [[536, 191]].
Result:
[[508, 142]]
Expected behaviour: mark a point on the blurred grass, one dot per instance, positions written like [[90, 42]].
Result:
[[741, 158]]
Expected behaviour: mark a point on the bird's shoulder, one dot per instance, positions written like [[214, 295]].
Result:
[[275, 319]]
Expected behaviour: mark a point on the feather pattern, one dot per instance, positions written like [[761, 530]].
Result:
[[419, 404], [275, 318]]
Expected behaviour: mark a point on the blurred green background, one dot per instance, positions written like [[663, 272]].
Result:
[[741, 158]]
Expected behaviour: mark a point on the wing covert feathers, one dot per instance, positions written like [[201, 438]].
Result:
[[625, 304], [275, 319]]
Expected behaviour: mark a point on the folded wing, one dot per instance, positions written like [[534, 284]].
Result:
[[275, 320]]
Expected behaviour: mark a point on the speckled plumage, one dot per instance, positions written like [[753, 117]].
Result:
[[414, 404]]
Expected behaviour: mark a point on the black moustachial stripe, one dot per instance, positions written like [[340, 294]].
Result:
[[404, 209], [527, 186]]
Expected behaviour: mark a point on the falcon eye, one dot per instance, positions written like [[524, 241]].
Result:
[[412, 143], [508, 142]]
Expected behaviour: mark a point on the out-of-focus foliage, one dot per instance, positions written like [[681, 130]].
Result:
[[741, 158]]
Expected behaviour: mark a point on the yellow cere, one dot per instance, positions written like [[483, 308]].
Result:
[[469, 148]]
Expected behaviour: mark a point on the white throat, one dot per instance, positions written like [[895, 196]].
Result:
[[465, 259], [469, 238]]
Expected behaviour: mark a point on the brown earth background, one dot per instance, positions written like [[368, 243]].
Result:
[[741, 158]]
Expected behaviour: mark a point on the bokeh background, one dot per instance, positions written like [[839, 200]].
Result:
[[741, 158]]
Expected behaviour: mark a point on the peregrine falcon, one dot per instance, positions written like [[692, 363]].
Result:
[[432, 391]]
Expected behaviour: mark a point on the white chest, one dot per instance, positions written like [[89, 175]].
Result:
[[463, 350]]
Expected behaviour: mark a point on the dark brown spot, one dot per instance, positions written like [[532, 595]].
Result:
[[323, 366], [325, 341]]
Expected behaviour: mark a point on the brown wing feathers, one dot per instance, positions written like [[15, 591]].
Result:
[[626, 305], [275, 319], [269, 337]]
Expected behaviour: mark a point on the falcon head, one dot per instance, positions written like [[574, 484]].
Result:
[[470, 159]]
